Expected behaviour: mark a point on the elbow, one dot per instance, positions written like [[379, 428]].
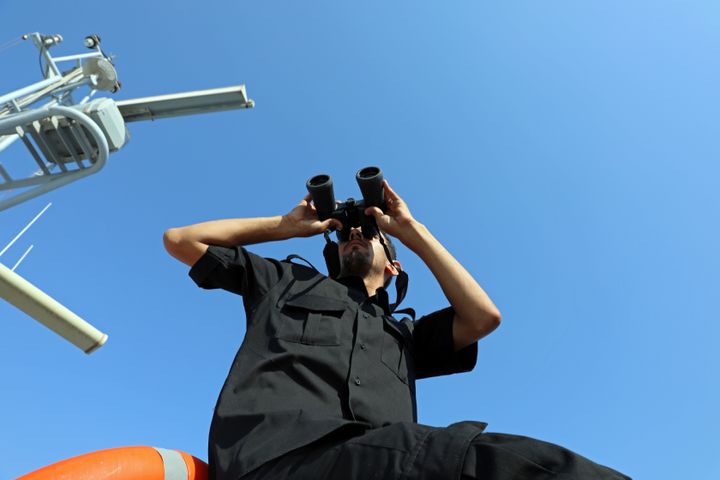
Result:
[[495, 319], [171, 239], [182, 248], [488, 323]]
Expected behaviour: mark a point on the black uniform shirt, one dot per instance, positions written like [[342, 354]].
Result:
[[318, 355]]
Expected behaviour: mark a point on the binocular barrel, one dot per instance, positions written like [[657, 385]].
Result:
[[321, 191], [370, 180]]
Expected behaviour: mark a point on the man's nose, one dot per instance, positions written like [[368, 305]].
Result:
[[356, 234]]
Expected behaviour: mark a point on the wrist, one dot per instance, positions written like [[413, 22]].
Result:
[[412, 234], [288, 227]]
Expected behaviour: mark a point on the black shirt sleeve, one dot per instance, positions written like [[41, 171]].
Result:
[[434, 350], [236, 270]]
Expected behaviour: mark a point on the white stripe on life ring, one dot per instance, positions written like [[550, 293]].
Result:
[[173, 463]]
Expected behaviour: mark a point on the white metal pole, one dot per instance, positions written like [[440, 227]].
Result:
[[29, 89], [6, 140], [77, 57], [40, 306]]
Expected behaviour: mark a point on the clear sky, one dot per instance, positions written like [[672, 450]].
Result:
[[565, 152]]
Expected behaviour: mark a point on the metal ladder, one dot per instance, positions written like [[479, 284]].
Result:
[[63, 138]]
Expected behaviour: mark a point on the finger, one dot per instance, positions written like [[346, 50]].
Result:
[[306, 199], [304, 202], [390, 193], [375, 212]]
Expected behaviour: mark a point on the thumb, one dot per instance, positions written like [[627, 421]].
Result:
[[331, 223], [375, 212]]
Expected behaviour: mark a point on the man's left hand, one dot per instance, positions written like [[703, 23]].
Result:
[[397, 216]]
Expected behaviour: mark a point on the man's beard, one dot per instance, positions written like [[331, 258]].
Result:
[[356, 262]]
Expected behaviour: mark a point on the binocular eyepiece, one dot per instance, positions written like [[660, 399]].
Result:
[[351, 213]]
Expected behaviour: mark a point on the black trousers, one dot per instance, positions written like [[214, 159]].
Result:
[[413, 451]]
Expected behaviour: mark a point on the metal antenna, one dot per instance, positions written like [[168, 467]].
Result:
[[17, 264], [69, 140], [24, 230], [43, 308]]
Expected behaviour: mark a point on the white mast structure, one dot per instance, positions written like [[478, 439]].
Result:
[[69, 140]]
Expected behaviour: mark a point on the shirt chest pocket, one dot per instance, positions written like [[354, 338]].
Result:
[[310, 320]]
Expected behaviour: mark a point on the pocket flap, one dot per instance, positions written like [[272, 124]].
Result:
[[316, 303], [396, 329]]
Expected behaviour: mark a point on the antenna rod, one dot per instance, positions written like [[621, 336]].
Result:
[[24, 230], [17, 264]]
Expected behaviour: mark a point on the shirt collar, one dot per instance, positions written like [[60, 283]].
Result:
[[358, 292]]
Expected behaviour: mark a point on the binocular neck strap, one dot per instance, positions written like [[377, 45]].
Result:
[[402, 279], [332, 256], [401, 286]]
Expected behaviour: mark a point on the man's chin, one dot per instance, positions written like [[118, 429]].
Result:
[[355, 263]]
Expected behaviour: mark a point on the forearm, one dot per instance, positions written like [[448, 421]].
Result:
[[235, 231], [189, 243], [475, 313]]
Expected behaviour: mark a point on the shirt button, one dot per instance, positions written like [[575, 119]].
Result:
[[363, 346], [357, 380], [365, 315]]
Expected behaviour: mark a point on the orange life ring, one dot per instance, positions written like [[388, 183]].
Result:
[[125, 463]]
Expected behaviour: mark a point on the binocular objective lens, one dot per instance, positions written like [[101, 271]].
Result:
[[318, 180], [368, 173]]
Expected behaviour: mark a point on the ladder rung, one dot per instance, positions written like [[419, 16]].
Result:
[[34, 152]]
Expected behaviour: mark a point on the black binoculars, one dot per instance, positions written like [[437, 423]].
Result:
[[351, 213]]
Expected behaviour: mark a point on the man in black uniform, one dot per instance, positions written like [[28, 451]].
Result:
[[323, 385]]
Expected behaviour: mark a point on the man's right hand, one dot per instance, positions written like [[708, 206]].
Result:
[[303, 220]]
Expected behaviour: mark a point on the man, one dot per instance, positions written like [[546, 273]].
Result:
[[323, 385]]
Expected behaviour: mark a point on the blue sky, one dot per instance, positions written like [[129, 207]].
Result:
[[565, 152]]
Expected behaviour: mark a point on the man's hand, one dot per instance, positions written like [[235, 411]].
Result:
[[303, 220], [398, 216]]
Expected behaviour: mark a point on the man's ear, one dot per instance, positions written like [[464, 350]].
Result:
[[393, 269]]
